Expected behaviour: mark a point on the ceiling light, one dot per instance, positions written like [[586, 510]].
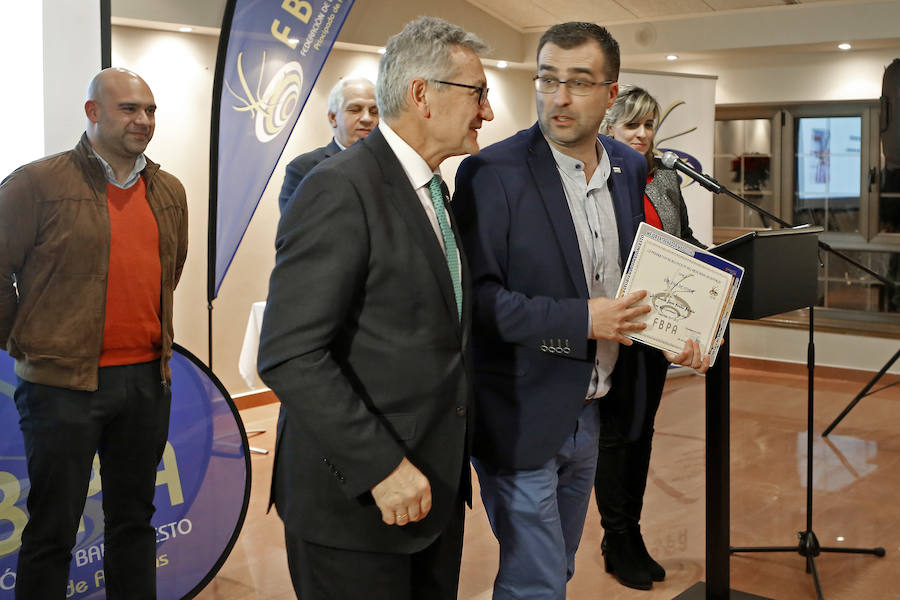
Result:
[[502, 64], [185, 29], [381, 51], [672, 57], [844, 46]]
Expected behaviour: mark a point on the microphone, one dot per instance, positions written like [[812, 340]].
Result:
[[670, 160]]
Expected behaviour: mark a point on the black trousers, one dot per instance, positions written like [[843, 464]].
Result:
[[323, 573], [126, 421], [623, 465]]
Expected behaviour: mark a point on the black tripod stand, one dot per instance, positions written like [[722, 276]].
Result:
[[864, 392], [808, 544]]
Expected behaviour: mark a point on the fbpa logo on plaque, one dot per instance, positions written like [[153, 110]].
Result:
[[202, 489]]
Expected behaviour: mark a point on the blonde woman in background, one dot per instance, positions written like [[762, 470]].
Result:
[[627, 427]]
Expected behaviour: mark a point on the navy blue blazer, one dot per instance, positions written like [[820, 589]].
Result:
[[532, 357], [297, 169]]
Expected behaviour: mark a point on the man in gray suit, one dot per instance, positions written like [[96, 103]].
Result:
[[352, 114], [365, 334]]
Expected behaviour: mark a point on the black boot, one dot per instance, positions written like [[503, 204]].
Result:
[[623, 558], [656, 570]]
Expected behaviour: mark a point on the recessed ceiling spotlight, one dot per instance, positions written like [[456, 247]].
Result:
[[185, 29], [844, 46], [502, 64], [672, 57]]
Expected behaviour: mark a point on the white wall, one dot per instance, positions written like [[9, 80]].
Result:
[[68, 25], [866, 353], [202, 13], [21, 35], [42, 105], [795, 76]]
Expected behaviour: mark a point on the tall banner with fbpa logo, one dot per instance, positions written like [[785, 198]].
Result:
[[270, 55]]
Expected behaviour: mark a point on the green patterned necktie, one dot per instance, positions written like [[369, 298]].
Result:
[[450, 251]]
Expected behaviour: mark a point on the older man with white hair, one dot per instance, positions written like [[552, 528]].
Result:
[[352, 115]]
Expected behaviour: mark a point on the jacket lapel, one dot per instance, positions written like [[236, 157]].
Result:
[[465, 282], [399, 192], [546, 178], [621, 192], [331, 149]]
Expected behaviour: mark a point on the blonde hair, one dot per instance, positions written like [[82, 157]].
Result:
[[632, 104]]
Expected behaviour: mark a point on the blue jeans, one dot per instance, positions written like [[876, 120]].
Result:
[[538, 515]]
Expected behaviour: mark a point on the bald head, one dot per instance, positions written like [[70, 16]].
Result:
[[111, 75], [121, 115]]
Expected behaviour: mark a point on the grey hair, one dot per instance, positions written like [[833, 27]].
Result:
[[336, 96], [422, 49]]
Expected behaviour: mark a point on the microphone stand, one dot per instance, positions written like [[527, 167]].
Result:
[[889, 285], [670, 160], [808, 544]]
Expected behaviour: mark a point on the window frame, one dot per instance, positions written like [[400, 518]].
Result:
[[782, 178]]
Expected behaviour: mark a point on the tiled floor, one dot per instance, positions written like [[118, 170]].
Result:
[[856, 500]]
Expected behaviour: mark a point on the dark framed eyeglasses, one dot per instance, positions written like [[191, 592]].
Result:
[[482, 90], [546, 84]]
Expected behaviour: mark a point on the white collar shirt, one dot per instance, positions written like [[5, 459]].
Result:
[[591, 206], [140, 163], [419, 174]]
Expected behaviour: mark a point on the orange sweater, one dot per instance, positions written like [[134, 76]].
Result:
[[132, 332]]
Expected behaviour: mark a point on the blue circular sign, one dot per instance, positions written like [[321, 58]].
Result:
[[202, 489]]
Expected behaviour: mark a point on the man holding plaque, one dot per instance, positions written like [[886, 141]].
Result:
[[547, 218]]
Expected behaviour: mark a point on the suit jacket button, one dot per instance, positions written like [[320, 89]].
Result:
[[460, 411]]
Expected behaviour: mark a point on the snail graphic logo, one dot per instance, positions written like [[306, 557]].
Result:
[[669, 304], [272, 109]]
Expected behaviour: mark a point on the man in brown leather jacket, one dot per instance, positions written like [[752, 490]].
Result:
[[92, 243]]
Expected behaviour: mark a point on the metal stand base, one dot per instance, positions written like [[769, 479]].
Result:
[[698, 592], [809, 548], [808, 545], [254, 449]]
